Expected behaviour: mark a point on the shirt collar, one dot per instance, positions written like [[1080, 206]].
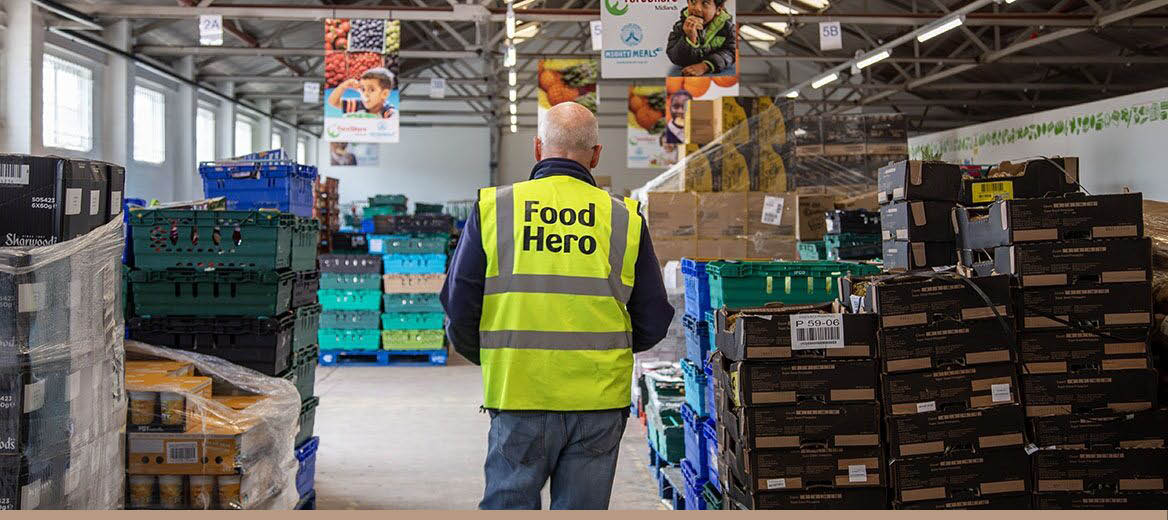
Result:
[[559, 166]]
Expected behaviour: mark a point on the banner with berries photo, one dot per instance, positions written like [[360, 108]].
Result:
[[647, 147], [362, 91], [563, 80], [662, 38]]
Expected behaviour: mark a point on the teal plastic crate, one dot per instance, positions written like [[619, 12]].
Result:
[[751, 284], [211, 293], [351, 282], [350, 320], [307, 323], [305, 239], [207, 240], [343, 300], [420, 302], [406, 245], [812, 250], [412, 320], [387, 200], [349, 339], [412, 339]]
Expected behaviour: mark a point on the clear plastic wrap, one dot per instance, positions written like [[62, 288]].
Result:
[[203, 433], [1156, 229], [62, 400]]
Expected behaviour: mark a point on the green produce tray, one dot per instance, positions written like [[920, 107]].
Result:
[[186, 239], [351, 282], [429, 209], [395, 244], [302, 374], [668, 436], [812, 250], [412, 339], [307, 323], [350, 320], [387, 200], [213, 293], [307, 420], [421, 302], [752, 284], [412, 320], [349, 339], [342, 300], [379, 211], [305, 238], [712, 495]]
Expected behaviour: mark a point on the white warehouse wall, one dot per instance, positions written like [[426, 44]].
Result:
[[1120, 141]]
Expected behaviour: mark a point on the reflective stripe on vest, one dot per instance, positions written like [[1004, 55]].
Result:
[[555, 334]]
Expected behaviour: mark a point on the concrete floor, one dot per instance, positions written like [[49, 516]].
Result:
[[413, 438]]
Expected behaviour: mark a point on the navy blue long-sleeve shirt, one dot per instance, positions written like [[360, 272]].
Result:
[[462, 295]]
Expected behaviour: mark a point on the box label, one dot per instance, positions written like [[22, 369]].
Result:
[[927, 406], [145, 445], [772, 210], [182, 453], [115, 202], [14, 174], [73, 201], [1000, 393], [31, 297], [34, 396], [815, 331], [776, 483], [94, 201], [988, 191], [857, 473]]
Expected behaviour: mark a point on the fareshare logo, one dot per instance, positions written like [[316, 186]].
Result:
[[615, 8]]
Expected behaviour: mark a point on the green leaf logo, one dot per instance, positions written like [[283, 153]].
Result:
[[614, 8]]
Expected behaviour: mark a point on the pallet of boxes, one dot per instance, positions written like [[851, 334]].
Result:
[[62, 411]]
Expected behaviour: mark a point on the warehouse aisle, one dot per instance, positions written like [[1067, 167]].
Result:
[[414, 439]]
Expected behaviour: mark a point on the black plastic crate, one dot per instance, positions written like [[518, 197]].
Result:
[[303, 371], [405, 224], [304, 288], [857, 221], [261, 344], [307, 419], [343, 241], [350, 264]]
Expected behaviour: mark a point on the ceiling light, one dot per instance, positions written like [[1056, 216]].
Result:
[[824, 80], [757, 34], [514, 119], [512, 94], [514, 128], [779, 27], [523, 3], [792, 94], [944, 27], [873, 58], [816, 4], [526, 32], [512, 79], [509, 56], [514, 109], [510, 21], [783, 8]]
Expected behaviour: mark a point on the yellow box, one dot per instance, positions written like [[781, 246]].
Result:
[[171, 368]]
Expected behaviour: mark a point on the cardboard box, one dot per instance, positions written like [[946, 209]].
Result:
[[739, 164], [1071, 217], [1147, 429], [50, 199], [916, 300], [739, 497], [756, 204], [908, 256], [33, 482], [155, 385], [946, 343], [1121, 391], [886, 134], [810, 216], [1030, 180], [703, 121], [765, 333], [778, 248], [809, 468], [863, 201], [856, 222], [960, 475], [35, 420], [698, 170], [1077, 261], [163, 367], [808, 136], [412, 283], [842, 381], [772, 120], [955, 390], [668, 249], [940, 432], [1008, 502], [1062, 351], [843, 135], [723, 248], [917, 221], [805, 424], [1144, 500], [771, 175], [176, 453], [721, 215], [919, 180], [1122, 470], [672, 214], [1090, 305]]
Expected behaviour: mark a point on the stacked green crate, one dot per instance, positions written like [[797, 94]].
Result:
[[350, 298]]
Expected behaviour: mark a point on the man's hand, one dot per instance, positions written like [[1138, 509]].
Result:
[[350, 83], [697, 69], [690, 27]]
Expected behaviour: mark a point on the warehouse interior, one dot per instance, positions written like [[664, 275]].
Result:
[[897, 236]]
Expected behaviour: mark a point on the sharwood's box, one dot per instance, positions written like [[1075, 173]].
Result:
[[950, 390], [939, 432], [961, 475], [803, 424], [946, 343], [1121, 391]]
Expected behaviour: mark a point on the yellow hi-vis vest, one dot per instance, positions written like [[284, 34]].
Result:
[[555, 334]]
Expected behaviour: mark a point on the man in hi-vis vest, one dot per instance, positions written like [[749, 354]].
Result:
[[553, 287]]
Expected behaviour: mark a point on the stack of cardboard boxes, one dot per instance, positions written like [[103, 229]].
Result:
[[844, 149], [916, 201]]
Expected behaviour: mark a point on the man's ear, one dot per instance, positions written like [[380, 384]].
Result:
[[538, 150], [595, 156]]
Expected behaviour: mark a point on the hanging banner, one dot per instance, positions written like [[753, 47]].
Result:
[[562, 80], [681, 90], [353, 154], [658, 38], [647, 147], [361, 80]]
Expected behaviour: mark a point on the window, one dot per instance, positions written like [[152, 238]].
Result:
[[277, 141], [301, 151], [244, 129], [149, 125], [68, 105], [204, 135]]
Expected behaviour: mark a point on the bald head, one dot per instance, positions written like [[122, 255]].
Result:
[[569, 131]]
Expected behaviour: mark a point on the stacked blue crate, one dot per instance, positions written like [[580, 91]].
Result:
[[698, 414]]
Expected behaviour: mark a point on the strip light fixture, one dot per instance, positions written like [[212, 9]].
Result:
[[942, 28], [825, 80], [872, 59]]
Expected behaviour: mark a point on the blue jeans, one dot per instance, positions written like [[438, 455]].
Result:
[[576, 450]]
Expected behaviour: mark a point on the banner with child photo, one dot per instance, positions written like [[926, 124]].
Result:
[[668, 38], [362, 91]]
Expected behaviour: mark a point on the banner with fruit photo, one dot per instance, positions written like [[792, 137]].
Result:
[[568, 80], [680, 91], [647, 147], [362, 91], [662, 38]]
